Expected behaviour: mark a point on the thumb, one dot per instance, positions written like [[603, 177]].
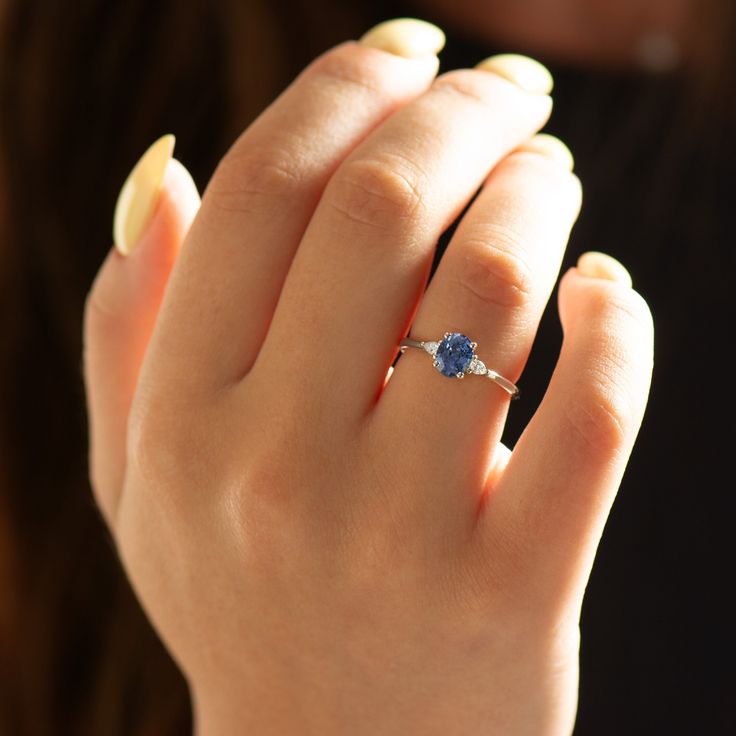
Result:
[[154, 210]]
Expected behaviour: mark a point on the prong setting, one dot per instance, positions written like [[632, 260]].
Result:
[[454, 356]]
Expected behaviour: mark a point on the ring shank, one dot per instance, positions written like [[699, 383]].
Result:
[[407, 342], [508, 386]]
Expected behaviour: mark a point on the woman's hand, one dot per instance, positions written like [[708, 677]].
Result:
[[324, 551]]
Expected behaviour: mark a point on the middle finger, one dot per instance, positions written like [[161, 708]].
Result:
[[366, 254]]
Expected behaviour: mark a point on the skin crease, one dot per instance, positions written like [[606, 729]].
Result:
[[584, 31], [317, 551]]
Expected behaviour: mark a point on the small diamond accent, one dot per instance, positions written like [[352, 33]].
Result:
[[431, 347], [477, 366]]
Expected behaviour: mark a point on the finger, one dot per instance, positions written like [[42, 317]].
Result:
[[549, 508], [365, 257], [491, 285], [257, 205], [155, 209]]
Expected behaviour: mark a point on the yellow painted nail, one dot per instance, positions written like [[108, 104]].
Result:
[[139, 195], [524, 72], [602, 266], [408, 37], [551, 147]]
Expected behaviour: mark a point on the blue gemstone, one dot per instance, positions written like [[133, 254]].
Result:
[[454, 354]]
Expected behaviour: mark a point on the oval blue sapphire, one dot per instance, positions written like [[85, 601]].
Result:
[[453, 354]]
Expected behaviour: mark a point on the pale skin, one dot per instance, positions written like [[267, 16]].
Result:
[[322, 550]]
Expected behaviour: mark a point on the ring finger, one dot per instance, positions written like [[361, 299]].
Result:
[[491, 285]]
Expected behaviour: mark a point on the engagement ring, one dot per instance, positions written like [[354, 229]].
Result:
[[454, 356]]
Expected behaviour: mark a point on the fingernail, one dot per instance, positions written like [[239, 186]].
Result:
[[407, 37], [602, 266], [138, 197], [551, 147], [524, 72]]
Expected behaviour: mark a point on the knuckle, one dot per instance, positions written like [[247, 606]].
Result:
[[347, 64], [382, 193], [164, 450], [469, 86], [552, 188], [493, 270], [601, 414], [255, 179], [612, 389], [625, 328], [611, 305], [149, 441]]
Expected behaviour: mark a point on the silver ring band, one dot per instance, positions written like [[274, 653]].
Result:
[[454, 356]]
